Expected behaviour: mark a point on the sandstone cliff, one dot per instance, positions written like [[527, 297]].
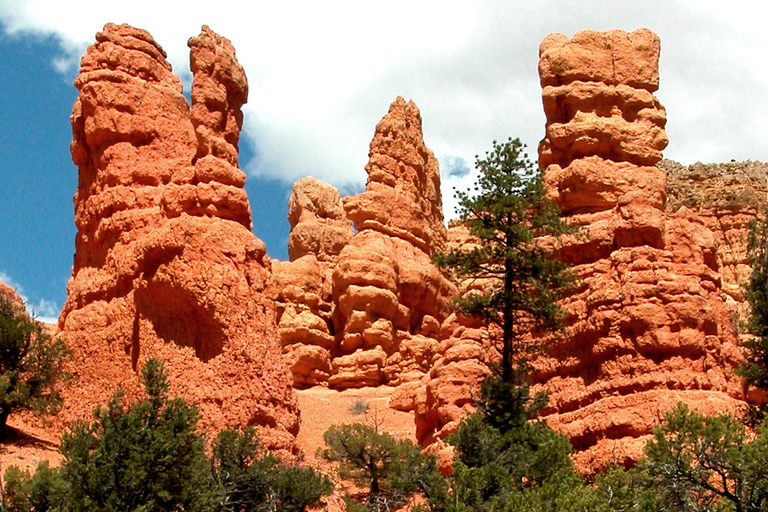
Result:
[[165, 263]]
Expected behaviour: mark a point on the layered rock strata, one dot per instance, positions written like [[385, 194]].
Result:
[[365, 310], [725, 198], [165, 263], [319, 231], [650, 323]]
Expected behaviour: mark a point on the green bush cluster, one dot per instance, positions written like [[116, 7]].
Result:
[[30, 363], [149, 457]]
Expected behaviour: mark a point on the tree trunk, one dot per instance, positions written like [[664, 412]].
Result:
[[509, 281], [3, 419]]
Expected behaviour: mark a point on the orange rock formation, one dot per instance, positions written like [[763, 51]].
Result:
[[365, 310], [166, 265], [651, 323], [650, 326]]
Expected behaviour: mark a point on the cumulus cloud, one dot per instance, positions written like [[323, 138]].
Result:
[[322, 73], [43, 310], [455, 166]]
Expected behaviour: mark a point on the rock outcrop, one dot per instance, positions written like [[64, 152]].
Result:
[[165, 263], [365, 308], [651, 322], [11, 294], [649, 326], [724, 197]]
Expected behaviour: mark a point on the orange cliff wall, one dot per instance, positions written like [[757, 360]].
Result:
[[166, 265]]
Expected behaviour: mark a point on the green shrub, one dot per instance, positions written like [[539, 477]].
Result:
[[394, 470], [30, 364], [251, 479], [149, 456]]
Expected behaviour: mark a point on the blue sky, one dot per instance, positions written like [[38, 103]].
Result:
[[39, 179], [321, 75]]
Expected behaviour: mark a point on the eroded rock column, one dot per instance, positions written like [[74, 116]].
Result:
[[649, 325], [165, 263], [365, 309]]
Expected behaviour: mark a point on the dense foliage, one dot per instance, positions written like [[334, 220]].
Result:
[[709, 462], [149, 457], [30, 363], [755, 368]]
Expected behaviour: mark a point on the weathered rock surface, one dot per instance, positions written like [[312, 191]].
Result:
[[11, 294], [365, 309], [651, 323], [319, 224], [165, 263], [724, 197]]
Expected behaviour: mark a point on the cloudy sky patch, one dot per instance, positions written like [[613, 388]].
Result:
[[321, 75]]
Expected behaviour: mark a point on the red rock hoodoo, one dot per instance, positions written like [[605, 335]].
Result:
[[651, 323], [165, 263], [365, 309]]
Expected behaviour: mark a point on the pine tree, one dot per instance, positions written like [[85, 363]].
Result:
[[515, 225], [516, 228], [755, 368]]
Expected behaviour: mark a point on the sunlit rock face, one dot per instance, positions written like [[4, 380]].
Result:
[[165, 264], [652, 321], [363, 307], [650, 324]]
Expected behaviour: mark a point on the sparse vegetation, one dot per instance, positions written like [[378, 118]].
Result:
[[392, 469], [359, 406]]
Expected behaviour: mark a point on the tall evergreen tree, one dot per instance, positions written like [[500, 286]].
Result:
[[515, 225], [755, 368]]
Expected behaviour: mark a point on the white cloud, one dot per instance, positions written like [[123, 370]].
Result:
[[44, 310], [322, 73]]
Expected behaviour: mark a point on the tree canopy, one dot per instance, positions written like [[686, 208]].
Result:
[[30, 363], [515, 225]]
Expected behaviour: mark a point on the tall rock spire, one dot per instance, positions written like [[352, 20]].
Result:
[[650, 325], [165, 263]]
